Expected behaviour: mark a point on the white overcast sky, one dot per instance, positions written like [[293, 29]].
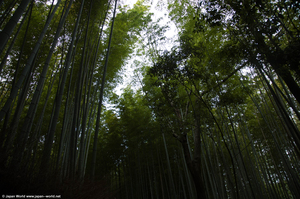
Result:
[[159, 8]]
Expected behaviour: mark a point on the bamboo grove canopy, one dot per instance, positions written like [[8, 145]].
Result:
[[214, 116]]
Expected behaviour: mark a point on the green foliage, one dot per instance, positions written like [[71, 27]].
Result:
[[198, 81], [81, 85], [223, 93]]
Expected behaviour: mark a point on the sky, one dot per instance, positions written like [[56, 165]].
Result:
[[159, 10]]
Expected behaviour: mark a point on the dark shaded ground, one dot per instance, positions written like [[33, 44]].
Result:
[[19, 184]]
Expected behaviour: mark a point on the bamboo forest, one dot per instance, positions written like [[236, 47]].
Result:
[[150, 99]]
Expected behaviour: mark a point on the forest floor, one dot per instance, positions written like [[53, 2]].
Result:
[[12, 184]]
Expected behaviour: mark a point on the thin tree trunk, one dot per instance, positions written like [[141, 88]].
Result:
[[7, 11], [171, 181], [52, 128], [4, 127], [29, 63], [9, 27], [18, 152], [76, 117], [65, 120], [37, 131], [200, 188], [101, 96], [4, 60], [38, 91], [15, 123], [277, 63]]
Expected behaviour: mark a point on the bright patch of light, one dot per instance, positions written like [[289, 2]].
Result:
[[49, 2], [159, 10]]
